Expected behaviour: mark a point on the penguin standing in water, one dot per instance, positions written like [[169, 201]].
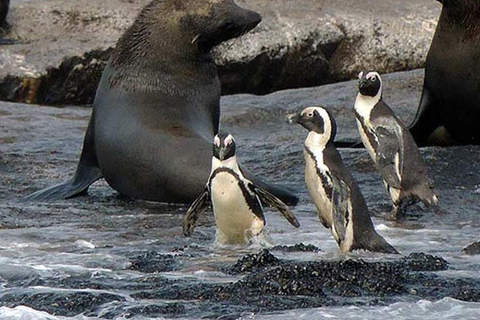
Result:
[[236, 201], [340, 204], [391, 147]]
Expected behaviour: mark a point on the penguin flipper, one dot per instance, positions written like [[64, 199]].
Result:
[[390, 152], [283, 193], [194, 211], [340, 207], [88, 171], [278, 204]]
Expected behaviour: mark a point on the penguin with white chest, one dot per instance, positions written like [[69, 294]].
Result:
[[336, 195], [236, 201], [392, 147]]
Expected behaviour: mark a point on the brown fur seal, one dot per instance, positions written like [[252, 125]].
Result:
[[451, 91], [4, 4], [157, 105]]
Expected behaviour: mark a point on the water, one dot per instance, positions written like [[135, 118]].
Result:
[[79, 259]]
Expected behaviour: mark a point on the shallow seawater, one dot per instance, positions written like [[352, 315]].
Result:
[[103, 256]]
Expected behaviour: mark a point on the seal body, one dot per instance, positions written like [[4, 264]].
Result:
[[236, 201], [4, 6], [336, 195], [451, 90], [391, 147], [157, 104]]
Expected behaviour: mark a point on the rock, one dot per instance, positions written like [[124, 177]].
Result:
[[425, 262], [66, 304], [151, 262], [62, 46], [472, 249], [300, 247], [254, 261]]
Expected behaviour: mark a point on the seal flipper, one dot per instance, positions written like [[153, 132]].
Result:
[[88, 171], [426, 120], [283, 193]]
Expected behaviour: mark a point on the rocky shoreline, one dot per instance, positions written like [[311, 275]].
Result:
[[105, 256], [62, 46]]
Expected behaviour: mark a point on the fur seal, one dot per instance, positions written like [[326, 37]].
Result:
[[236, 201], [157, 109], [451, 92], [4, 5]]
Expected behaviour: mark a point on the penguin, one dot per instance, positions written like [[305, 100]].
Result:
[[336, 195], [236, 201], [392, 148]]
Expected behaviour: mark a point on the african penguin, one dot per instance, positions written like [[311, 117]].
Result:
[[336, 195], [236, 201], [391, 147]]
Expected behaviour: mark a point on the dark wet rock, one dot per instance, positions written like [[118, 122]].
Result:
[[472, 249], [66, 304], [254, 261], [63, 45], [299, 247], [344, 278], [425, 262], [150, 262]]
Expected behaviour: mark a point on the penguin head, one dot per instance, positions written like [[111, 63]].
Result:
[[370, 83], [317, 120], [224, 146]]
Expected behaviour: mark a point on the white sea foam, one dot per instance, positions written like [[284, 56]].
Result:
[[444, 309]]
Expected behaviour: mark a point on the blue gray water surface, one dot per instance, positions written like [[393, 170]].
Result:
[[91, 244]]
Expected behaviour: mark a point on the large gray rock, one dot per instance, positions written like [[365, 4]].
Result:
[[62, 46]]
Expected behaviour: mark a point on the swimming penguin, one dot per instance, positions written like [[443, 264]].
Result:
[[236, 201], [391, 147], [340, 204]]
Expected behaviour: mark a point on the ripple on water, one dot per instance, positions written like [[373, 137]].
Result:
[[446, 308]]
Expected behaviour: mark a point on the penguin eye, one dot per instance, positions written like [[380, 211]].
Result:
[[373, 78], [310, 114]]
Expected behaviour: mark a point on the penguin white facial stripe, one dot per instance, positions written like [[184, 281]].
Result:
[[372, 75], [317, 140], [216, 141], [228, 140], [360, 75]]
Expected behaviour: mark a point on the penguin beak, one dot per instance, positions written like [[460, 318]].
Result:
[[221, 154], [362, 83], [294, 118]]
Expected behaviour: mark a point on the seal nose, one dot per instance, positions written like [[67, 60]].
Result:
[[252, 19]]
